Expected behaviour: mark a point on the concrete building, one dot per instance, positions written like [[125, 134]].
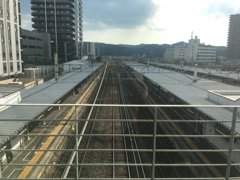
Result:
[[35, 46], [174, 54], [97, 52], [89, 49], [10, 49], [233, 53], [195, 52], [63, 20]]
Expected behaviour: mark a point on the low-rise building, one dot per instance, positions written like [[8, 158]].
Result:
[[89, 50], [195, 52], [174, 54], [36, 46]]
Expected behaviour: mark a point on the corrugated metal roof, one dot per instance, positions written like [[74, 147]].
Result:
[[194, 93], [46, 93]]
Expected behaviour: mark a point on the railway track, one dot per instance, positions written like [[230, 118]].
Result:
[[105, 142]]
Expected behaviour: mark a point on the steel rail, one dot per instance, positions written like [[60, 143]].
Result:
[[130, 131], [129, 135], [125, 150], [126, 105], [133, 137], [236, 178], [83, 131], [123, 110]]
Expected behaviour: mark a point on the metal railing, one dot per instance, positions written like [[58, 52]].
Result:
[[225, 144]]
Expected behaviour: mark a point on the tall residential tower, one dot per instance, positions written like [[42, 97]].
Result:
[[234, 38], [10, 50], [63, 20]]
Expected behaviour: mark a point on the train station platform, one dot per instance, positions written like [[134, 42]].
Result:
[[193, 92], [47, 93]]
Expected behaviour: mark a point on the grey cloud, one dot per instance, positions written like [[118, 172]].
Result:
[[102, 14]]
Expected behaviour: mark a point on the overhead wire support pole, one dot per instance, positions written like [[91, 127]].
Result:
[[229, 162]]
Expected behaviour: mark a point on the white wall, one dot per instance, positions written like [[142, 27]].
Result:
[[10, 99]]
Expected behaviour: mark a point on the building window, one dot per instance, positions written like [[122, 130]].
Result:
[[18, 66], [11, 66], [4, 68], [4, 55]]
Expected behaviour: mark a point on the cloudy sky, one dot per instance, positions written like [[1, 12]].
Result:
[[152, 21]]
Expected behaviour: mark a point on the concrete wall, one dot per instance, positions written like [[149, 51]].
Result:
[[12, 98]]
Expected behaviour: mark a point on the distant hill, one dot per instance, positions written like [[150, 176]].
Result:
[[150, 50]]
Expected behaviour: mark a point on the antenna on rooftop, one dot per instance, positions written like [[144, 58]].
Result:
[[192, 35]]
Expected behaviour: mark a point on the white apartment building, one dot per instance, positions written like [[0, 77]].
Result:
[[199, 53], [174, 54], [195, 52], [10, 49]]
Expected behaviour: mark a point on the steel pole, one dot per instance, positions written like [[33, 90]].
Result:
[[231, 144], [154, 144]]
